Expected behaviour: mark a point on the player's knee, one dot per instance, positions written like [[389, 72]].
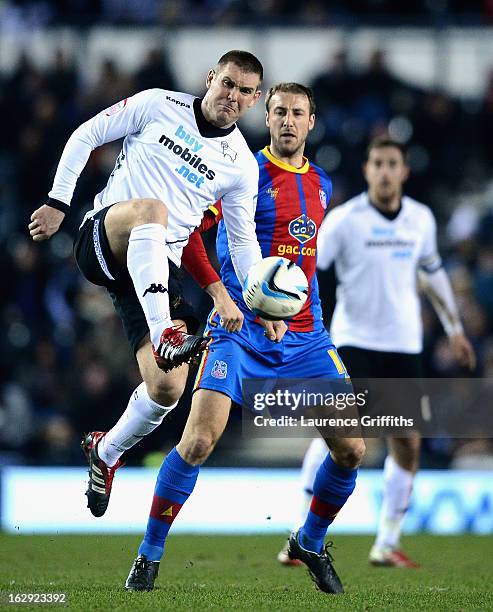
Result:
[[198, 449], [167, 392], [149, 210], [351, 455], [406, 454], [411, 444]]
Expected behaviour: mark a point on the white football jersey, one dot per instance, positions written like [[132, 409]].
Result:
[[171, 153], [376, 262]]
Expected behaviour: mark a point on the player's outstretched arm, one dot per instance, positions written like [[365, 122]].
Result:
[[45, 221], [127, 117], [330, 238], [437, 288], [238, 210], [196, 262]]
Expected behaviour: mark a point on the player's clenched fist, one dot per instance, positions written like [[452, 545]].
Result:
[[45, 222], [463, 351], [231, 317], [274, 330]]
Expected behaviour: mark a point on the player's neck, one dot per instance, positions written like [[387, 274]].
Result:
[[205, 118], [296, 160], [388, 206]]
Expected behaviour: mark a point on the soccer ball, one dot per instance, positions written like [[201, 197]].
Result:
[[275, 288]]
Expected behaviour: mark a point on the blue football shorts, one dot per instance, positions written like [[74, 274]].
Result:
[[233, 357]]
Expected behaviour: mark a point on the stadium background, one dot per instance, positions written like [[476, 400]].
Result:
[[65, 366]]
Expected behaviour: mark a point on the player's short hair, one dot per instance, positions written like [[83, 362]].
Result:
[[382, 142], [245, 60], [294, 88]]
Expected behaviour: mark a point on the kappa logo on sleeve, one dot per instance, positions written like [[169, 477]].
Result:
[[177, 102], [116, 108]]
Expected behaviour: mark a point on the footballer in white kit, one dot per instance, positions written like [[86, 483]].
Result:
[[376, 257], [180, 155], [173, 154], [381, 242]]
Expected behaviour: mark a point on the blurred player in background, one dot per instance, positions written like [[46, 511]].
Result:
[[180, 154], [293, 195], [381, 241]]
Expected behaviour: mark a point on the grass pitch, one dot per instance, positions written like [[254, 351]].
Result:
[[241, 573]]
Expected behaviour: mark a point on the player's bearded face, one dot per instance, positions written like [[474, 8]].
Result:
[[230, 93], [385, 172], [289, 122]]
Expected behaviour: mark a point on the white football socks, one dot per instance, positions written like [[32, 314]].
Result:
[[140, 418], [314, 456], [147, 263], [398, 485]]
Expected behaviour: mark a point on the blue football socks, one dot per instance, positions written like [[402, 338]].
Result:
[[332, 488], [175, 482]]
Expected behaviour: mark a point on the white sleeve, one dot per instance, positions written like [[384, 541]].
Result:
[[437, 287], [126, 117], [330, 238], [430, 259], [239, 218]]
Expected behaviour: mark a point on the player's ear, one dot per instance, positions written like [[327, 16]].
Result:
[[311, 122], [405, 172], [255, 99], [210, 77], [267, 118], [364, 170]]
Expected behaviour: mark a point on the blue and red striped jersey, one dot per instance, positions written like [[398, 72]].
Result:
[[290, 209]]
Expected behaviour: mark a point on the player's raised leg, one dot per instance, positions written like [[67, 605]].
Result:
[[400, 469], [334, 482], [136, 232], [176, 481], [149, 403]]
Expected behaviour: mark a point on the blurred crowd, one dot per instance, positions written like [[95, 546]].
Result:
[[14, 13], [65, 367]]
